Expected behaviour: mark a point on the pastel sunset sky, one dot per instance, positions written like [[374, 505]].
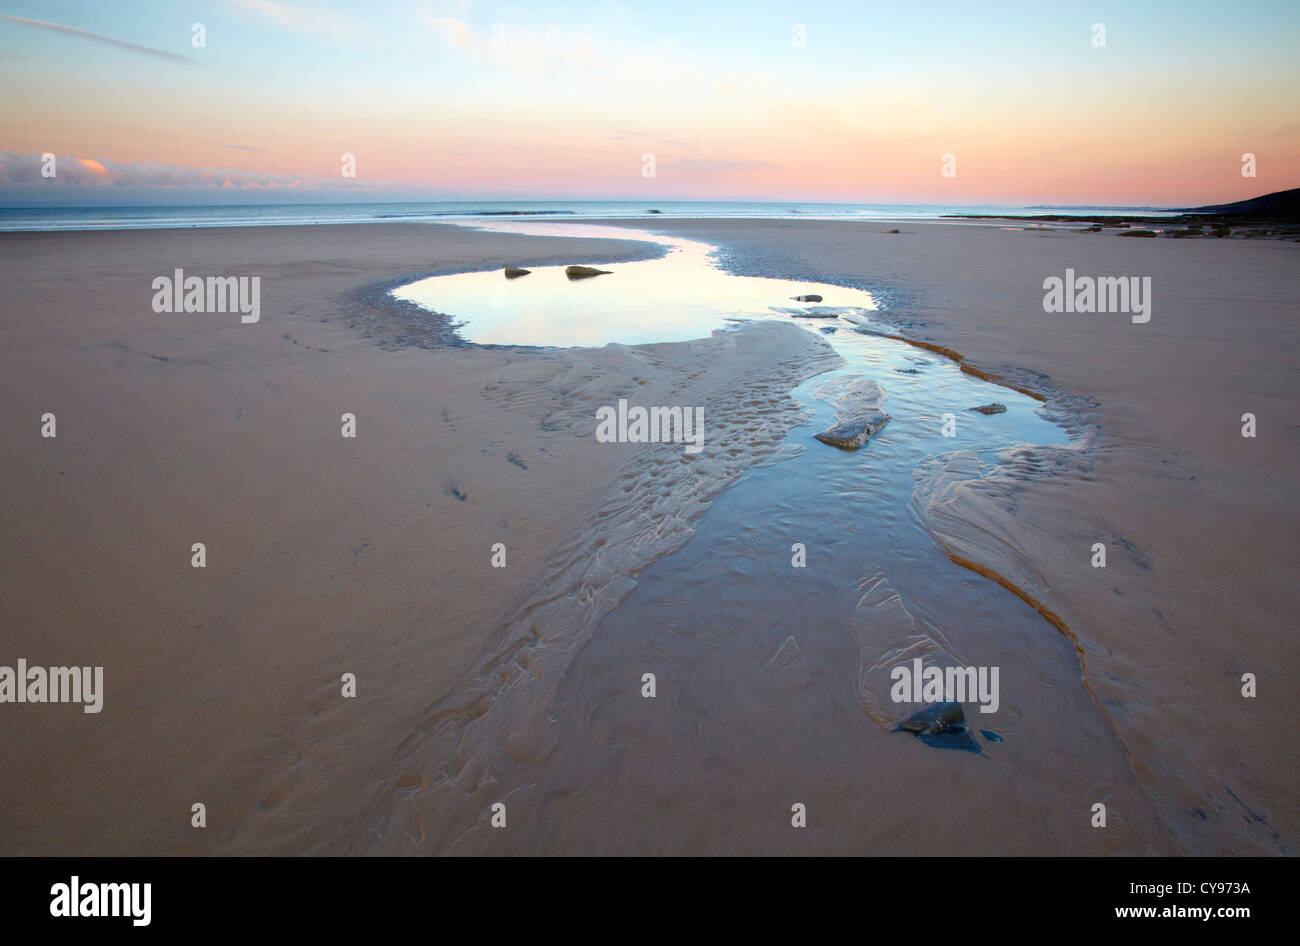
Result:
[[453, 100]]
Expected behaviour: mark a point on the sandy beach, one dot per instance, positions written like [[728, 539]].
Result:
[[1200, 585], [373, 555], [325, 555]]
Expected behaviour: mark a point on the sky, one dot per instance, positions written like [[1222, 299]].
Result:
[[792, 101]]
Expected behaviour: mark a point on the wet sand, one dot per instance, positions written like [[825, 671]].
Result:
[[372, 556], [1199, 523], [325, 555]]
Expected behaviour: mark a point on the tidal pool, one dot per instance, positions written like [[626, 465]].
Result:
[[755, 660]]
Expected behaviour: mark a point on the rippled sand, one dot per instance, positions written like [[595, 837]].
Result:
[[479, 685]]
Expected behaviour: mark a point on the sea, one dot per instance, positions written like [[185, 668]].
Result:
[[271, 215]]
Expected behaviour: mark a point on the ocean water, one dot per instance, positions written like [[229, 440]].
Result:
[[271, 215]]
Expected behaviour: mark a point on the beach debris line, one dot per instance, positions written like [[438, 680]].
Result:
[[514, 272], [585, 272], [994, 408]]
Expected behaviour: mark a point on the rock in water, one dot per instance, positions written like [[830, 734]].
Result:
[[859, 412], [942, 726], [854, 433], [935, 719], [514, 272], [585, 272], [808, 298], [994, 408]]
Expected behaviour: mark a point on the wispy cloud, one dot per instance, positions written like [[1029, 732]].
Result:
[[108, 40], [575, 54], [517, 49], [72, 171], [708, 166], [301, 20]]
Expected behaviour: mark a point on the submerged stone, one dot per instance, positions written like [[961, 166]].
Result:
[[994, 408]]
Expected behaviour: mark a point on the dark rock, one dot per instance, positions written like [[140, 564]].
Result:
[[808, 298], [935, 719], [585, 272], [514, 272], [941, 726], [853, 433], [994, 408], [1138, 233]]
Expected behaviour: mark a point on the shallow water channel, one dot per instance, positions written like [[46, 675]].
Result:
[[745, 725]]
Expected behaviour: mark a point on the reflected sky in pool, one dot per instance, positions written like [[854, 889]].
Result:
[[673, 299]]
